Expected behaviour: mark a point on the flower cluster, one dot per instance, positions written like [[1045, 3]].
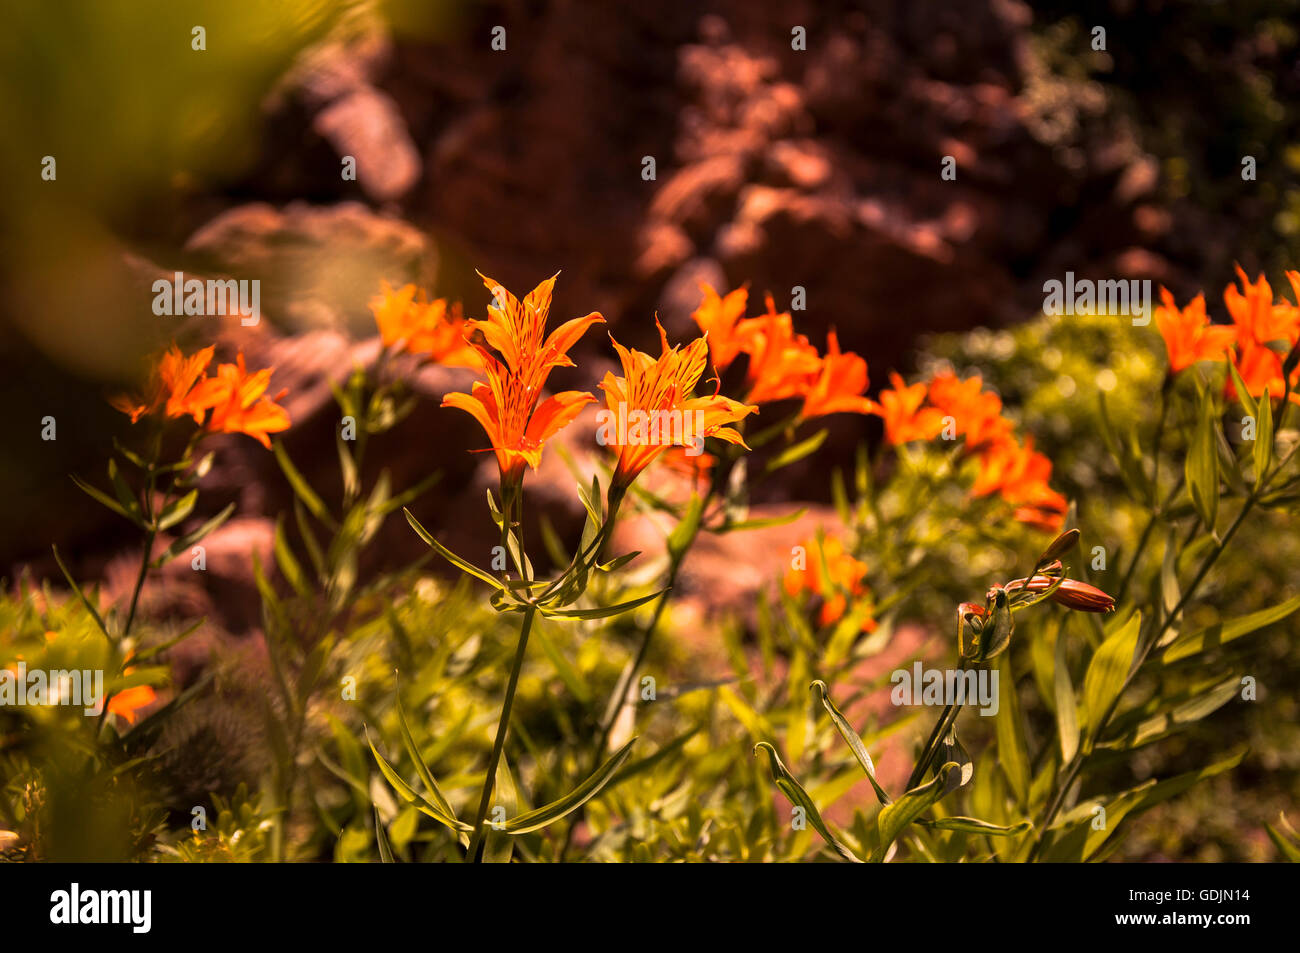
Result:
[[782, 364], [834, 576], [430, 329], [178, 388], [1262, 333], [956, 408]]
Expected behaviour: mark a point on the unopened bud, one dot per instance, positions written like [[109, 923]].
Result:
[[1060, 546]]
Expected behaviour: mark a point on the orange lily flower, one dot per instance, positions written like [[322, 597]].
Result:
[[238, 405], [782, 364], [977, 412], [905, 419], [1257, 318], [506, 404], [1189, 336], [1260, 368], [839, 385], [419, 326], [695, 468], [844, 576], [1020, 475], [128, 702], [171, 382], [722, 321], [649, 408]]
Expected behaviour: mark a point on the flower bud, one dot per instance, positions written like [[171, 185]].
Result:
[[1070, 593], [1074, 594], [1060, 546], [985, 633], [970, 623]]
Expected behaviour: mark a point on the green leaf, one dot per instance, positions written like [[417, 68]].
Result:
[[497, 846], [1009, 726], [797, 796], [972, 825], [1182, 713], [447, 554], [894, 818], [618, 562], [104, 499], [642, 765], [1289, 846], [411, 796], [385, 852], [177, 510], [592, 501], [1263, 438], [796, 452], [1107, 673], [1243, 392], [1202, 467], [683, 534], [1172, 787], [1130, 468], [762, 522], [1067, 708], [850, 738], [1223, 632], [121, 490], [288, 563], [182, 544], [301, 488], [94, 613], [421, 768], [584, 792], [1075, 838], [602, 612], [158, 648]]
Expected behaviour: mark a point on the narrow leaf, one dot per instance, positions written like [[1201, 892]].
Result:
[[584, 792]]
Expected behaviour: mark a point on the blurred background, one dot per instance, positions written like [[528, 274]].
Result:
[[773, 166]]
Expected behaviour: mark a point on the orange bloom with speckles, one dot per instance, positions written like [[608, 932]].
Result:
[[430, 329], [905, 419], [650, 408], [508, 402], [832, 574]]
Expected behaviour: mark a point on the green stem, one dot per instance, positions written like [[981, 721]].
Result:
[[1156, 511], [1076, 763], [498, 744], [941, 727]]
